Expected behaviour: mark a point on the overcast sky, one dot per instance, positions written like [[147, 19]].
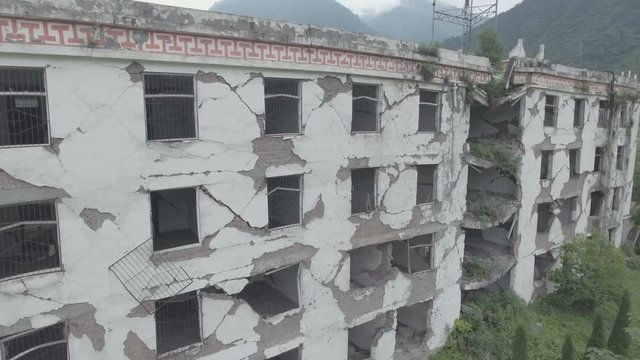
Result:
[[360, 7]]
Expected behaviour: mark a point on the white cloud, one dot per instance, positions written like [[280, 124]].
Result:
[[370, 7]]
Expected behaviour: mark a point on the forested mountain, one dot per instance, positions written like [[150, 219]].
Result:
[[595, 34], [411, 20], [328, 13]]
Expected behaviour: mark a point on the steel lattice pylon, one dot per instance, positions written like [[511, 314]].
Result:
[[468, 17]]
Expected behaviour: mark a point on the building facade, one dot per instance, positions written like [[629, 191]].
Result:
[[185, 184]]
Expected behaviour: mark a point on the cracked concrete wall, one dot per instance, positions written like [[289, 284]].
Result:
[[104, 169], [535, 138]]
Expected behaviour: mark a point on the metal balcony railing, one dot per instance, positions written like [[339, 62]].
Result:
[[149, 276]]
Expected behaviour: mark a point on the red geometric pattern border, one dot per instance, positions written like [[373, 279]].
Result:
[[39, 32]]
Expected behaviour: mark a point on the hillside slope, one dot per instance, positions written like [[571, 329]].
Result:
[[595, 34], [411, 20], [327, 13]]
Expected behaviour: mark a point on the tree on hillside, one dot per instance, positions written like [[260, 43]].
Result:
[[619, 340], [597, 339], [568, 351], [520, 350], [491, 47]]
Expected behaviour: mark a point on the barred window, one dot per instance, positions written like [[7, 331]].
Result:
[[414, 255], [28, 239], [170, 102], [429, 114], [177, 322], [551, 111], [426, 191], [174, 214], [284, 197], [363, 191], [23, 107], [49, 343], [365, 108], [282, 106], [603, 114]]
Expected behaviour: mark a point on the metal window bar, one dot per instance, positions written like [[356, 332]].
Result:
[[170, 104], [49, 343], [23, 107], [551, 111], [573, 162], [603, 114], [365, 108], [429, 111], [177, 322], [282, 106], [28, 240], [284, 196], [148, 276], [419, 249]]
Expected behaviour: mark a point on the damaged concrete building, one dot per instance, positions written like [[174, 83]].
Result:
[[185, 184]]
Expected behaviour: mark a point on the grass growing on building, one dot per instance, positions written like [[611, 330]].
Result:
[[491, 319], [499, 154], [427, 70], [474, 270], [496, 90], [429, 50]]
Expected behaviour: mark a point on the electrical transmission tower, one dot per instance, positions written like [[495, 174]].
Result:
[[467, 17]]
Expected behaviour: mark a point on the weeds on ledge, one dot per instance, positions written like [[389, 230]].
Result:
[[499, 154], [474, 270], [427, 70], [429, 50]]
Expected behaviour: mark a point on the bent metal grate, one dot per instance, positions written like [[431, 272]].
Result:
[[148, 276]]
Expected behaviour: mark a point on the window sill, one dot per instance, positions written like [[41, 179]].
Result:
[[285, 134], [181, 350], [366, 132], [284, 227], [32, 274], [364, 214], [178, 248], [165, 141], [24, 146], [277, 318]]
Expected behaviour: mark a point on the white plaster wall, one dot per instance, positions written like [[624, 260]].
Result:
[[97, 114]]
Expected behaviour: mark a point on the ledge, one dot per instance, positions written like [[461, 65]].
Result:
[[496, 259]]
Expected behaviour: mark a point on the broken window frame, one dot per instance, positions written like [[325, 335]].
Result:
[[421, 105], [603, 114], [298, 98], [578, 112], [544, 228], [612, 234], [620, 158], [193, 294], [553, 108], [596, 210], [378, 89], [38, 223], [375, 192], [43, 95], [430, 245], [193, 96], [598, 158], [299, 191], [64, 328], [615, 201], [265, 274], [574, 164], [546, 172], [434, 192], [153, 225]]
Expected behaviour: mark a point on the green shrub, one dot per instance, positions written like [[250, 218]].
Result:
[[491, 47], [520, 346], [597, 339], [429, 50], [619, 340], [503, 157], [592, 273], [427, 70], [568, 351], [496, 90], [474, 270], [462, 326], [601, 354]]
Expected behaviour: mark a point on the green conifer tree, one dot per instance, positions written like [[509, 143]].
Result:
[[619, 340], [520, 350], [568, 351], [597, 339]]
